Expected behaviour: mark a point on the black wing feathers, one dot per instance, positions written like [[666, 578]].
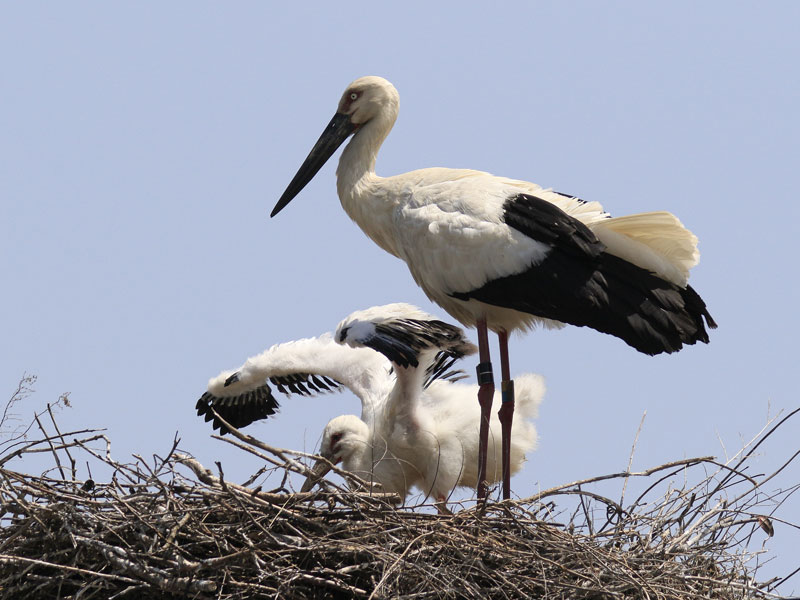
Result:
[[581, 284], [402, 340], [441, 369], [239, 411], [545, 222], [244, 409], [304, 384]]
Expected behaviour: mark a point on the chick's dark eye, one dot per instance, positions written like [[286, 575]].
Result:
[[335, 438]]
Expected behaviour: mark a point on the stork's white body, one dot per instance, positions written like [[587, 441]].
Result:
[[435, 448], [447, 225]]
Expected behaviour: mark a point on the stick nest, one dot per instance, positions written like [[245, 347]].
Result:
[[170, 528]]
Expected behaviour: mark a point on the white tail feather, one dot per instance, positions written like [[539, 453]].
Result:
[[656, 241]]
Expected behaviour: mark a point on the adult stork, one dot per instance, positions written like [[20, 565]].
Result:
[[502, 254], [414, 429]]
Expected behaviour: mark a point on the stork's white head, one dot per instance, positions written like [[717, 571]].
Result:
[[344, 439], [368, 97]]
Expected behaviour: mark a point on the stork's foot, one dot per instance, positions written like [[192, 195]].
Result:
[[441, 506]]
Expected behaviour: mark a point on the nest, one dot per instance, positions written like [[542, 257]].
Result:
[[171, 528]]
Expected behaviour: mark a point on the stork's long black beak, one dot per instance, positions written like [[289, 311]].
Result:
[[334, 135], [320, 468]]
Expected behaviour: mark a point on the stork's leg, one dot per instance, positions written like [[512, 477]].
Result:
[[485, 395], [506, 412], [441, 506]]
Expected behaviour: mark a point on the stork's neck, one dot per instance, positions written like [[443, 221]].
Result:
[[358, 159], [359, 188], [402, 404]]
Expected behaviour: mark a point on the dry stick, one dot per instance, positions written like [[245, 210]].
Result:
[[52, 449], [221, 478], [774, 474], [127, 590], [28, 507], [630, 458], [5, 558], [25, 445], [205, 476], [24, 388], [724, 482], [29, 449], [686, 462], [723, 504], [66, 447], [174, 532], [396, 563], [160, 578], [341, 587], [785, 579], [755, 447], [237, 498]]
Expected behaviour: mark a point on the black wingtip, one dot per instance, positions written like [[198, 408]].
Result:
[[697, 305], [240, 411]]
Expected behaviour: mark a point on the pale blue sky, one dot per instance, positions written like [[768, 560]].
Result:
[[143, 146]]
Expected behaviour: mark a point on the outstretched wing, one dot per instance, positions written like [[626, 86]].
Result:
[[407, 336], [253, 405], [305, 367]]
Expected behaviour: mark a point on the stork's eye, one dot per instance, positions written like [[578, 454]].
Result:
[[353, 96]]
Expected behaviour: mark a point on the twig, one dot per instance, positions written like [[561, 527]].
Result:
[[48, 439]]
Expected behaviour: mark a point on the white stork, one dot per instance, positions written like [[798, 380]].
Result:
[[416, 425], [504, 254]]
